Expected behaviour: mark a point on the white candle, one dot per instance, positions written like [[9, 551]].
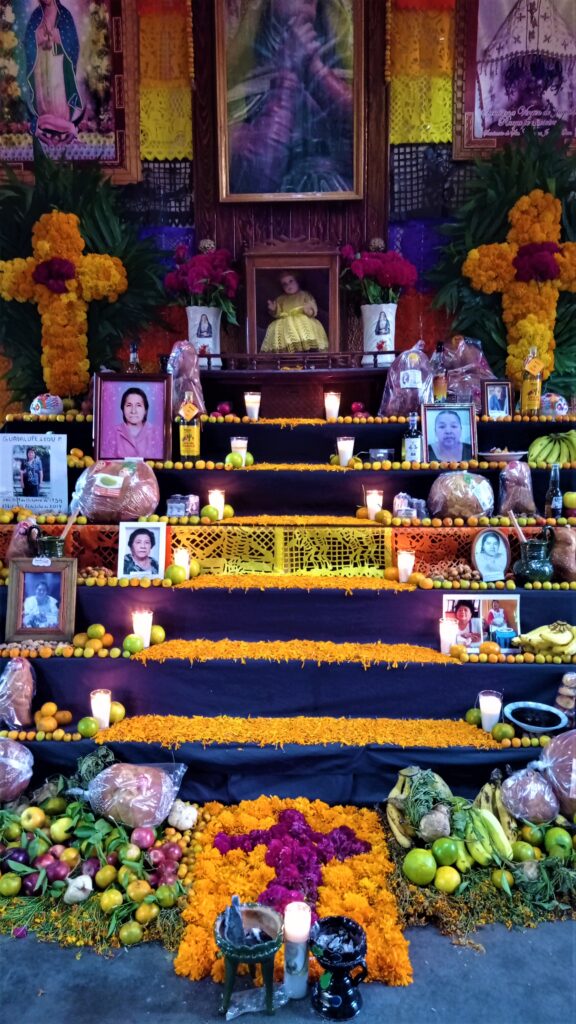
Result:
[[345, 447], [142, 625], [217, 500], [374, 503], [332, 404], [240, 445], [297, 920], [252, 403], [490, 702], [100, 701], [448, 634], [405, 561], [182, 558]]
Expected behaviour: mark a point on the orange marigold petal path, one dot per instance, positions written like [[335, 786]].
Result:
[[357, 888], [320, 651], [174, 730], [262, 581]]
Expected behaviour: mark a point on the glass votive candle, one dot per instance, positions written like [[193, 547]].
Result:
[[240, 445], [142, 625], [252, 403], [374, 503], [345, 447], [217, 499], [405, 562], [448, 634], [490, 703], [297, 921], [332, 404], [182, 558], [100, 701]]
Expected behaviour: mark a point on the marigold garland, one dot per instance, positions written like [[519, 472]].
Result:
[[174, 730], [529, 298], [357, 888], [320, 651], [270, 581], [61, 281]]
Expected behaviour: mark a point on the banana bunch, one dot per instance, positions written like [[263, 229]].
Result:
[[400, 826], [553, 448], [490, 799], [485, 837], [557, 638]]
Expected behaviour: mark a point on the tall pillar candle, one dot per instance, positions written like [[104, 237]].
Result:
[[297, 920], [217, 499], [100, 701], [332, 404], [142, 625], [252, 403]]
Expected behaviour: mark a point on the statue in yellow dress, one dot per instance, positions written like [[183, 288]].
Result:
[[295, 327]]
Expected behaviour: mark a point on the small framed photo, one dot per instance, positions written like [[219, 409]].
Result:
[[501, 621], [133, 416], [465, 612], [497, 400], [491, 554], [41, 599], [449, 433], [142, 550]]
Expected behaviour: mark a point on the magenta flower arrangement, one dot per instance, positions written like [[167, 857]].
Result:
[[376, 277], [535, 262], [298, 853], [54, 273], [206, 279]]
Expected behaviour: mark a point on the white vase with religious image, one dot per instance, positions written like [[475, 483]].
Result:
[[378, 330], [204, 332]]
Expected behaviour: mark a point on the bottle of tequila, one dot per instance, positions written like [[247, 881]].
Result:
[[189, 427]]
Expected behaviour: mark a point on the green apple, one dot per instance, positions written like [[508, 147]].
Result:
[[234, 459], [175, 573], [60, 830], [157, 635], [570, 499], [88, 727], [31, 818], [134, 643], [209, 512]]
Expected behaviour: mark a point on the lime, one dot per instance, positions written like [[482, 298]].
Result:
[[234, 459], [419, 866], [445, 850], [447, 879], [209, 512], [133, 643], [502, 731], [473, 716], [175, 573], [532, 834], [249, 459]]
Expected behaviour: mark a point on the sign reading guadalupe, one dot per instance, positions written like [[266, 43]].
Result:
[[515, 68], [290, 99]]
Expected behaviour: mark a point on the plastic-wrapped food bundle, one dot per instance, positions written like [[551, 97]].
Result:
[[527, 794], [408, 384], [516, 490], [115, 491], [17, 688], [184, 367], [461, 494], [136, 794], [467, 367], [559, 764], [16, 766], [563, 555]]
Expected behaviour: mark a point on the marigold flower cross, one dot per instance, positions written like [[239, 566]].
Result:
[[530, 269], [61, 281]]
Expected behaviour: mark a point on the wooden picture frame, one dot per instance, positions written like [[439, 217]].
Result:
[[317, 271], [490, 554], [290, 103], [466, 416], [152, 396], [497, 399], [77, 99], [511, 71], [41, 599]]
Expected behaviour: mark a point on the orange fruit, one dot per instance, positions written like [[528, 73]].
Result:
[[447, 879], [48, 710]]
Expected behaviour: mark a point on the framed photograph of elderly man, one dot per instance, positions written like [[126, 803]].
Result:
[[449, 433], [41, 599], [133, 416]]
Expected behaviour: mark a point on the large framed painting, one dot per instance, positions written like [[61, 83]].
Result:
[[290, 91], [68, 83], [515, 68]]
